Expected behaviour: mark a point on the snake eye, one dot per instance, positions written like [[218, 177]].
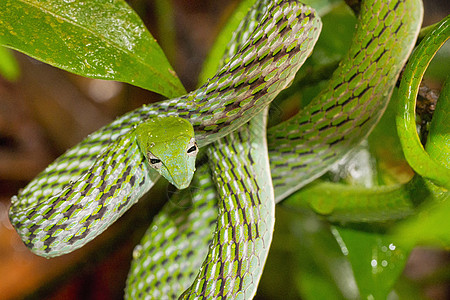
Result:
[[154, 161], [192, 148]]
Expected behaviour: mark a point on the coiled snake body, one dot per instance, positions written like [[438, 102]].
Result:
[[85, 190]]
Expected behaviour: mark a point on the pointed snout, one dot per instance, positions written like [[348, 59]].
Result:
[[182, 173]]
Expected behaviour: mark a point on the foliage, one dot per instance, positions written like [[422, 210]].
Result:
[[344, 257], [98, 39]]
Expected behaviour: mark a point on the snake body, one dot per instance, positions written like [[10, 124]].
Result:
[[300, 149], [74, 200], [246, 216], [304, 147], [46, 213]]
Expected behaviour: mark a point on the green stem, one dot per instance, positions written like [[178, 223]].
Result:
[[414, 152], [346, 203], [438, 142]]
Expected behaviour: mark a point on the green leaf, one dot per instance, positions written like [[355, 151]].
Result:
[[9, 68], [211, 63], [439, 67], [332, 45], [385, 146], [438, 141], [305, 261], [165, 18], [334, 41], [376, 258], [431, 226], [325, 273], [99, 39]]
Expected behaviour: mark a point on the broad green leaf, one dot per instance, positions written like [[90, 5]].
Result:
[[333, 43], [323, 7], [98, 38], [306, 261], [335, 38], [385, 146], [165, 18], [9, 68], [376, 258], [431, 226], [211, 63], [324, 271], [438, 141], [282, 267], [439, 67]]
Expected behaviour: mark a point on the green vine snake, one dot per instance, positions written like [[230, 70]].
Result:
[[85, 190]]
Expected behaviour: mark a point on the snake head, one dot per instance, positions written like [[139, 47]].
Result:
[[168, 144]]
